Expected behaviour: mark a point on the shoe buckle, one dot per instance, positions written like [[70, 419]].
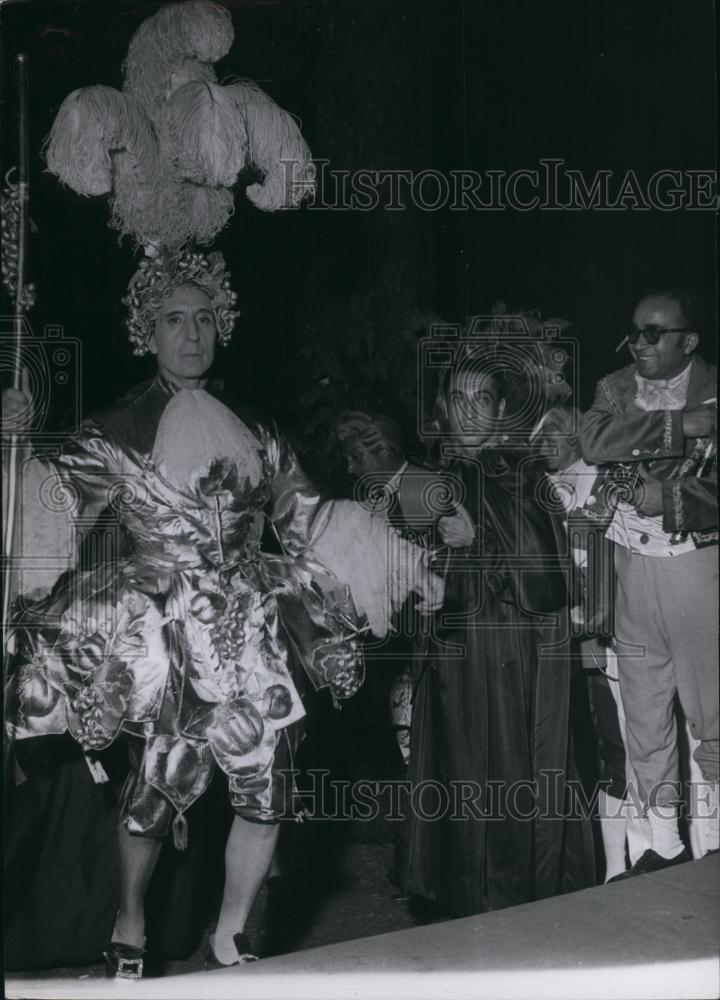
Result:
[[129, 968]]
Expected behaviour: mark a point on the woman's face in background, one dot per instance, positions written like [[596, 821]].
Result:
[[474, 406]]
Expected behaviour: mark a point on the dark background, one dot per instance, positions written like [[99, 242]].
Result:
[[381, 84], [326, 297]]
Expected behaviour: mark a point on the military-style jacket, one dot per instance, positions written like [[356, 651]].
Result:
[[615, 431]]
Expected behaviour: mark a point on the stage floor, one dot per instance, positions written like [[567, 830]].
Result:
[[650, 937]]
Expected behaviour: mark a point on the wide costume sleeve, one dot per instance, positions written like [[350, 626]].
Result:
[[357, 551], [56, 488], [613, 432], [297, 510], [90, 466], [691, 504]]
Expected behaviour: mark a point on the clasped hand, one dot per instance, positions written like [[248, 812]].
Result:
[[17, 407], [700, 421], [457, 530]]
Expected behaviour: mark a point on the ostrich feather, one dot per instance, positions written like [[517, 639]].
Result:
[[173, 47], [169, 148], [91, 121], [206, 209], [135, 160], [197, 28], [137, 203], [276, 147], [170, 212], [203, 135]]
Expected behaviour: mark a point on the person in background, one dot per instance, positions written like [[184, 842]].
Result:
[[556, 439], [652, 430], [491, 714], [419, 507], [418, 504]]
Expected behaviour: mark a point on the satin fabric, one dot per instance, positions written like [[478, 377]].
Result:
[[178, 640]]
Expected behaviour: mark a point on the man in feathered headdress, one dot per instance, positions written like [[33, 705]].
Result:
[[181, 644]]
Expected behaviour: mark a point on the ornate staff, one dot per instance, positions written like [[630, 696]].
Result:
[[15, 233]]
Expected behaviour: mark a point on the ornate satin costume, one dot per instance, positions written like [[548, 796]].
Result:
[[183, 639]]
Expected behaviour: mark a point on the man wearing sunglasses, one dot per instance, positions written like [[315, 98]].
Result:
[[652, 429]]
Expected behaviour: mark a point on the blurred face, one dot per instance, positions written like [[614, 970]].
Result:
[[363, 460], [185, 335], [558, 448], [672, 352], [474, 408]]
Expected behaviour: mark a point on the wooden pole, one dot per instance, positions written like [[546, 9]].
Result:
[[20, 305], [23, 203]]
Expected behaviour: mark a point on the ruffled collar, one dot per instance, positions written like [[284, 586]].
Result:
[[198, 435], [663, 393]]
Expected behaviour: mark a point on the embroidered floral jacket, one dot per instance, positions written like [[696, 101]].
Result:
[[617, 433]]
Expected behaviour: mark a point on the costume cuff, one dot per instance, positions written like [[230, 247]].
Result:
[[673, 438], [673, 506]]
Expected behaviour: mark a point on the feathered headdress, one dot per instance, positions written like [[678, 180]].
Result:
[[170, 147]]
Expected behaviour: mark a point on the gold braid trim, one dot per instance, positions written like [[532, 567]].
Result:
[[667, 433], [677, 504], [604, 387]]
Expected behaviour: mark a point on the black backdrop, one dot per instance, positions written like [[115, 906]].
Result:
[[388, 84], [410, 84]]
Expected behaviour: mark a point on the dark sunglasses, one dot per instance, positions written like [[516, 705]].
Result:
[[653, 333]]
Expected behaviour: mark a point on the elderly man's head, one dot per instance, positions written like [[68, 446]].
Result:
[[665, 332], [369, 444], [185, 334], [179, 307]]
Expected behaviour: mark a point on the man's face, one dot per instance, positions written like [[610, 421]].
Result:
[[670, 355], [185, 334], [474, 406]]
